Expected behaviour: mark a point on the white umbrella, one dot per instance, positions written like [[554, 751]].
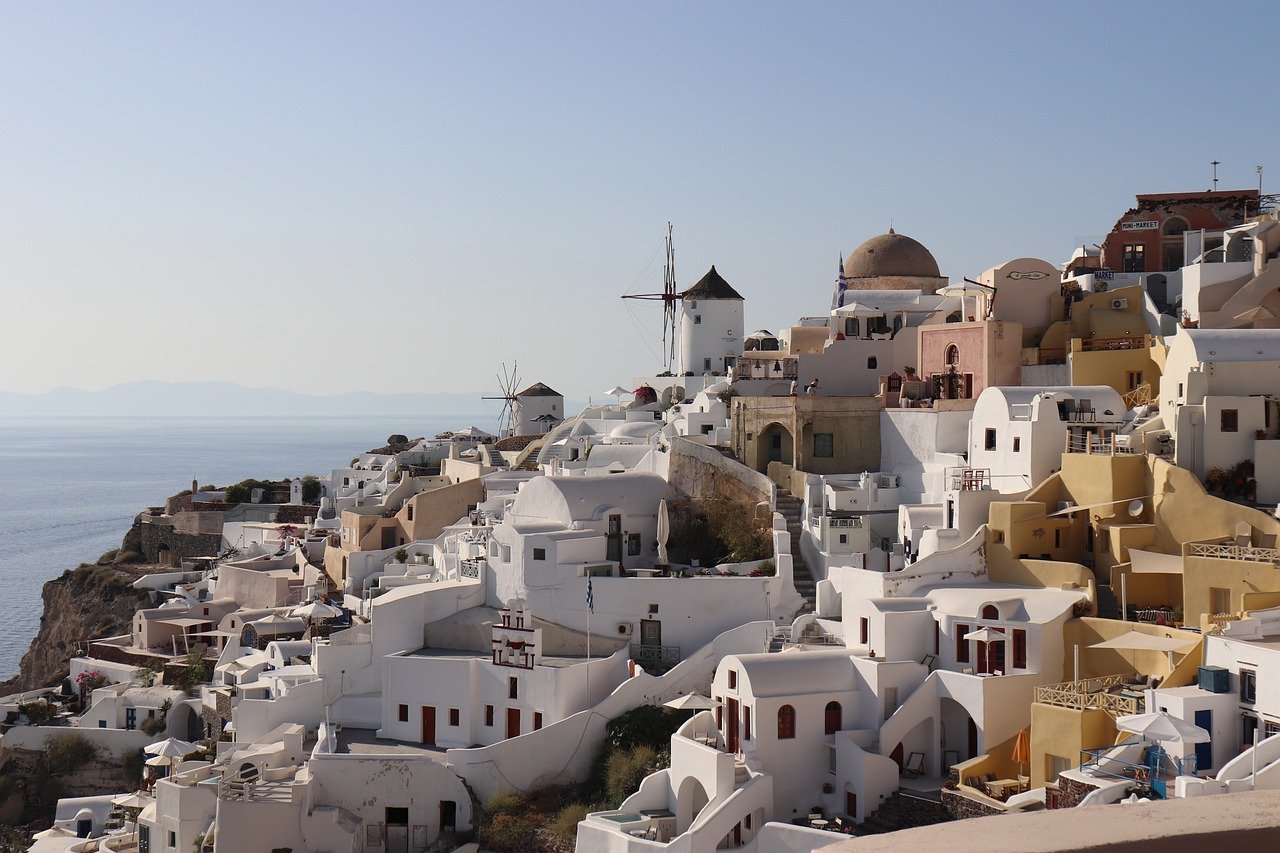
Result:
[[616, 391], [1137, 641], [664, 531], [986, 635], [132, 801], [1162, 727], [691, 702], [170, 747], [316, 610]]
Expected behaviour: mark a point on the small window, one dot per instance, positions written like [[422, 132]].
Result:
[[824, 445], [786, 722], [990, 611], [844, 538], [409, 512], [864, 630], [733, 679], [990, 441], [871, 363], [633, 544], [539, 553], [1135, 257], [513, 687], [832, 719], [1248, 686], [997, 536], [1057, 538], [1230, 420], [653, 609], [173, 839], [537, 720], [746, 722], [962, 645], [404, 713], [953, 354], [455, 717], [851, 327], [1019, 648], [1017, 444], [488, 715]]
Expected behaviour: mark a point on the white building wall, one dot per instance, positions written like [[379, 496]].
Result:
[[710, 331]]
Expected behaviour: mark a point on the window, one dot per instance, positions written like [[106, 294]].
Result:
[[786, 722], [1134, 379], [488, 715], [653, 608], [1250, 725], [997, 536], [733, 679], [1248, 686], [539, 553], [863, 630], [1230, 420], [824, 445], [746, 722], [537, 720], [871, 363], [455, 717], [844, 538], [697, 319], [953, 354], [404, 713], [1019, 648], [1017, 444], [1135, 257], [990, 441], [173, 839], [1219, 600], [831, 718], [633, 544], [851, 327], [1057, 538], [706, 364], [513, 687], [937, 638], [990, 612], [1057, 765], [962, 645]]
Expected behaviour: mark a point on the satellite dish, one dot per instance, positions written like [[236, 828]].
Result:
[[1135, 507]]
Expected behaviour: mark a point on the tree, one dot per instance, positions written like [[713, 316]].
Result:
[[311, 489]]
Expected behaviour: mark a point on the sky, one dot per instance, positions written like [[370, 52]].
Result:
[[391, 197]]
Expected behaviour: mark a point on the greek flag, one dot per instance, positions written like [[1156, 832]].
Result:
[[591, 596]]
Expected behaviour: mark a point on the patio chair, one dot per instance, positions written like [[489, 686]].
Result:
[[914, 766]]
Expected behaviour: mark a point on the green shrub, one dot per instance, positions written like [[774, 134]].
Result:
[[514, 833], [646, 725], [565, 827], [153, 725], [311, 489], [238, 494], [67, 752], [625, 769], [502, 804], [133, 762], [38, 713]]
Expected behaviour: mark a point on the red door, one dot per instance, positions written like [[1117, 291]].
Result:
[[513, 722], [429, 725], [731, 726]]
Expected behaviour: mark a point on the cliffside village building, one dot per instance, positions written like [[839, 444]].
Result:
[[1022, 553]]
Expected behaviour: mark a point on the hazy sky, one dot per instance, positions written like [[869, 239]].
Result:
[[400, 196]]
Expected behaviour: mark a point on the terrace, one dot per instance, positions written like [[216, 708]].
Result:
[[1116, 694]]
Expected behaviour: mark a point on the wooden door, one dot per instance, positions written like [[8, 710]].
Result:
[[851, 805], [429, 725], [650, 632], [731, 726], [613, 540], [513, 722]]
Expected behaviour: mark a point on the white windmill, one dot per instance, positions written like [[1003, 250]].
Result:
[[508, 382]]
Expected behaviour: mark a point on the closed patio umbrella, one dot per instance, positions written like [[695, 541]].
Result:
[[664, 531], [1022, 748]]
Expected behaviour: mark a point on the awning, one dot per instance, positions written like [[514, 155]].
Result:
[[1153, 562], [1133, 640]]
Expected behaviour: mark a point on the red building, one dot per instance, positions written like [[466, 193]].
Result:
[[1148, 237]]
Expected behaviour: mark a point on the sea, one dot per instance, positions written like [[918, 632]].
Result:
[[70, 487]]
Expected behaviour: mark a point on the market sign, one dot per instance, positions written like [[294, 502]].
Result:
[[1144, 225]]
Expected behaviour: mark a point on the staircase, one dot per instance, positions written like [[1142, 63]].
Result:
[[792, 509], [1108, 605], [740, 773], [903, 811]]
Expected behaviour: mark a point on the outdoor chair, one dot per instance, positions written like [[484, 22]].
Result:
[[914, 766]]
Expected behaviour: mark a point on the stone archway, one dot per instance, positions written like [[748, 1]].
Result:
[[774, 444]]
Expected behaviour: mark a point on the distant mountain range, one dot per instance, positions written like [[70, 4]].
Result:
[[153, 398]]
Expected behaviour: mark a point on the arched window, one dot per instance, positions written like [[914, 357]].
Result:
[[990, 612], [832, 718], [1174, 225], [953, 354], [786, 722]]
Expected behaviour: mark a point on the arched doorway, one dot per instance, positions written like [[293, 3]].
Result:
[[960, 740], [775, 444], [691, 799]]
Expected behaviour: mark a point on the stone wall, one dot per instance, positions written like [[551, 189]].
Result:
[[699, 471], [960, 806], [1072, 791], [157, 536]]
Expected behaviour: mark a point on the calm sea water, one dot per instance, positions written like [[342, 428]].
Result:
[[70, 487]]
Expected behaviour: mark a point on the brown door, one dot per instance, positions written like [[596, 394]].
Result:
[[650, 632], [513, 722], [737, 835], [973, 739], [896, 755], [613, 541], [731, 726], [429, 725], [851, 804]]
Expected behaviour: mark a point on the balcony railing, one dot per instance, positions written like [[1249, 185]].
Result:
[[655, 659], [1227, 551], [1090, 693], [470, 568], [1105, 344], [1108, 445]]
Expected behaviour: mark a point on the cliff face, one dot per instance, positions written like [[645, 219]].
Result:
[[83, 604]]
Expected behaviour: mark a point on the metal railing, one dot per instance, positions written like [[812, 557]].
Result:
[[1089, 693], [655, 659], [1228, 551], [1089, 443]]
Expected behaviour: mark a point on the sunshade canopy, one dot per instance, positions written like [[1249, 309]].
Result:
[[1162, 727]]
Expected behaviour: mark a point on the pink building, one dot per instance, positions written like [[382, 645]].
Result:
[[960, 360]]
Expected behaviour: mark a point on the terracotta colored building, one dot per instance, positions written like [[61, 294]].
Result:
[[1148, 237], [963, 359]]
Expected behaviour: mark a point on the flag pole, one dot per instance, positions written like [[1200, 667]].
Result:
[[591, 606]]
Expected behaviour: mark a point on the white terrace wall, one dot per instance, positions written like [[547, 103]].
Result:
[[567, 748], [115, 741]]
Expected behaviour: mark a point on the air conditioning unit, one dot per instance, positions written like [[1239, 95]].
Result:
[[1119, 303], [624, 629], [1100, 287]]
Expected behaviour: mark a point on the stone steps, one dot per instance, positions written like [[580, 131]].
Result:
[[903, 811]]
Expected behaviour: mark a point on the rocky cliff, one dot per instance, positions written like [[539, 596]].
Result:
[[94, 600]]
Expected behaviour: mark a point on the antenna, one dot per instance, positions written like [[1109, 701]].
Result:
[[669, 297], [1258, 169], [508, 382], [1215, 164]]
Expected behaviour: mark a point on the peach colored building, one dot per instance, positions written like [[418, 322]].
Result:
[[963, 359]]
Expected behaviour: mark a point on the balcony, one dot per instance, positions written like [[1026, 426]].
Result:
[[655, 659], [1110, 693], [470, 568], [1231, 551], [969, 479], [1092, 444], [1108, 344]]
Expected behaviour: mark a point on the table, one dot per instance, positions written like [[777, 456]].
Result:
[[1001, 786], [819, 823]]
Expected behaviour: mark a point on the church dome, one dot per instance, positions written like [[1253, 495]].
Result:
[[891, 254]]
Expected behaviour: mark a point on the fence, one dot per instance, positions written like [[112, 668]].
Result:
[[1089, 693]]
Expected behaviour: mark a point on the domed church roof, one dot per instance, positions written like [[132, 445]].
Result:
[[891, 254]]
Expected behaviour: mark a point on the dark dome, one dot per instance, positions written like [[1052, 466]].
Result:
[[891, 255]]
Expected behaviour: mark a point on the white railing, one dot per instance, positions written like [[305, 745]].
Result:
[[1089, 693], [1225, 551]]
